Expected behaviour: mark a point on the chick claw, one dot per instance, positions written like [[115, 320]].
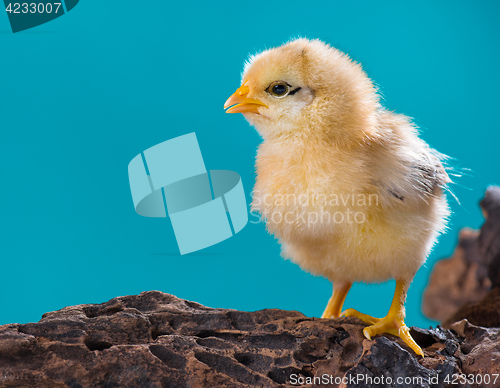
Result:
[[391, 324]]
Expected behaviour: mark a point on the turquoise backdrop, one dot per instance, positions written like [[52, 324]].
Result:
[[82, 95]]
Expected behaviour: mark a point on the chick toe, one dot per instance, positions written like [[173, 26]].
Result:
[[393, 325], [364, 317]]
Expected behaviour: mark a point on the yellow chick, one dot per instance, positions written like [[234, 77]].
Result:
[[349, 189]]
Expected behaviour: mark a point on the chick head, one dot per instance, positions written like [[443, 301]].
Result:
[[306, 87]]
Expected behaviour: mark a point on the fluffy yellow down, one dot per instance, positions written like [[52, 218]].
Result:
[[331, 149]]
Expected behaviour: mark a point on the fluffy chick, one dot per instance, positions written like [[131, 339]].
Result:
[[349, 189]]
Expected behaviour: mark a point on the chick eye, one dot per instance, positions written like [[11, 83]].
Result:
[[278, 89]]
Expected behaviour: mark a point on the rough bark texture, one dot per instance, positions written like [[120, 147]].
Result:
[[157, 340], [467, 286]]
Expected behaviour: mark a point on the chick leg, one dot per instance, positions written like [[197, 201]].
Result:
[[393, 323], [334, 306]]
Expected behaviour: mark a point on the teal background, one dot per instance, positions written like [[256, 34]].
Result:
[[82, 95]]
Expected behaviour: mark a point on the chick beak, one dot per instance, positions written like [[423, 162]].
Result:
[[243, 104]]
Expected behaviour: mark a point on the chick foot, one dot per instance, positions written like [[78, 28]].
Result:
[[393, 323]]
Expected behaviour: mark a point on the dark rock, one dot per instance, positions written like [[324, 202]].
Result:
[[467, 286], [460, 279], [489, 240], [484, 313], [157, 340]]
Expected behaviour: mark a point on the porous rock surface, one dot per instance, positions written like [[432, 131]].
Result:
[[158, 340]]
